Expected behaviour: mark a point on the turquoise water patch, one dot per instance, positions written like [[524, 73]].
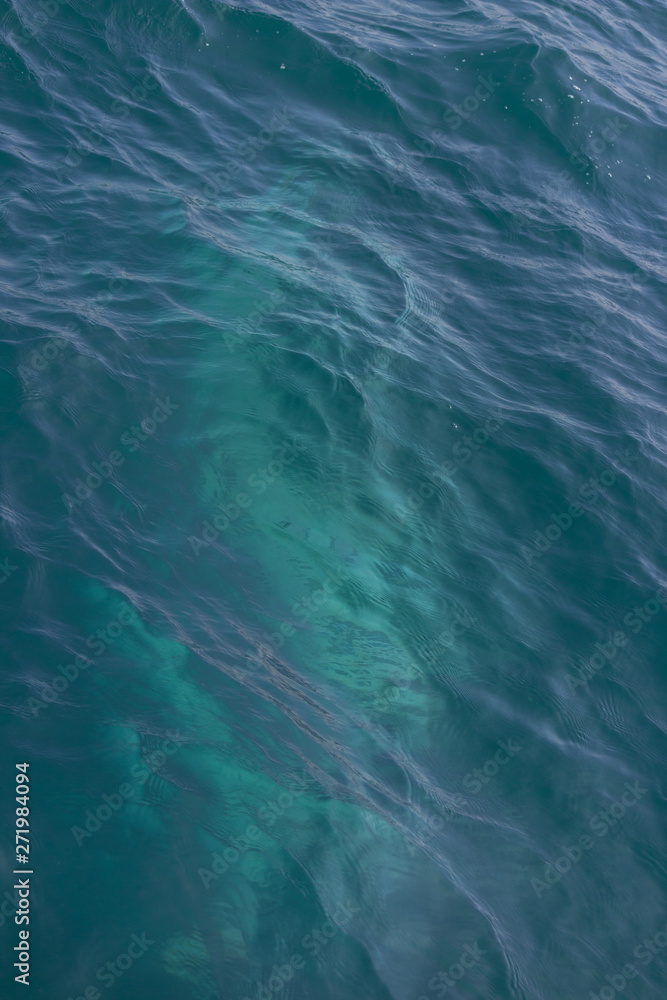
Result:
[[332, 499]]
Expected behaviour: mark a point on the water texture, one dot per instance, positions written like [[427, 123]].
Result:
[[332, 569]]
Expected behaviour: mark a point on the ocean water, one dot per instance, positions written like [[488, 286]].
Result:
[[334, 462]]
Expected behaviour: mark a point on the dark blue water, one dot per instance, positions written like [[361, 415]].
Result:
[[333, 486]]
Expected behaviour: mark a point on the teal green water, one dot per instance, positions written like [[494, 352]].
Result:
[[333, 477]]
